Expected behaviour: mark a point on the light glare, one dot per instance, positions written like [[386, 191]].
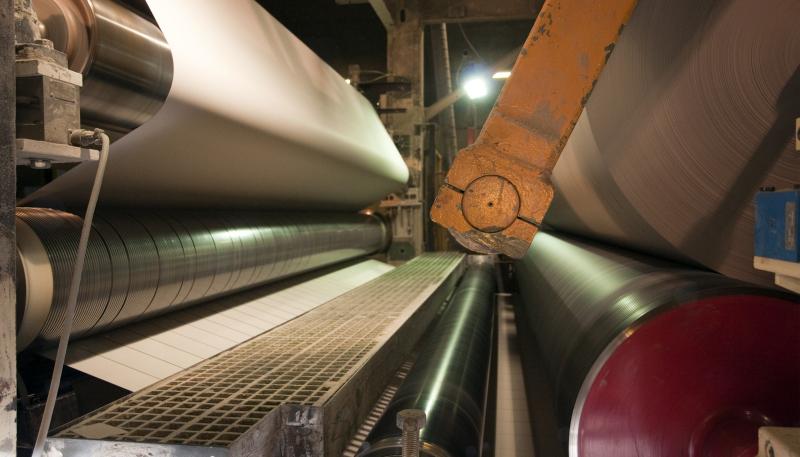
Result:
[[501, 75], [476, 88]]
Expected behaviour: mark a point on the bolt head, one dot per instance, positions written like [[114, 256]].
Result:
[[414, 418], [490, 203]]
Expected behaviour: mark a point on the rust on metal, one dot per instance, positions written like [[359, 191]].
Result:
[[490, 203], [498, 190]]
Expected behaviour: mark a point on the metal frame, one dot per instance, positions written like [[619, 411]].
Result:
[[8, 183], [451, 11]]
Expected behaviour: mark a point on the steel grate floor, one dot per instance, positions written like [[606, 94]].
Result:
[[300, 362]]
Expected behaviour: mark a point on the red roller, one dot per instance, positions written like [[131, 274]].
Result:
[[697, 380], [649, 358]]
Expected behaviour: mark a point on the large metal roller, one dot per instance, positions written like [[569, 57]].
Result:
[[651, 358], [125, 60], [142, 263], [450, 377], [694, 111]]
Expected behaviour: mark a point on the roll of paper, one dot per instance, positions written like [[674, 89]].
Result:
[[253, 119], [694, 111]]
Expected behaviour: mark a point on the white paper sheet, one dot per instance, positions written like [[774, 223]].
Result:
[[253, 119], [138, 355]]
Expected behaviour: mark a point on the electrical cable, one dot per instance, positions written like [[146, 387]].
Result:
[[77, 272], [469, 43]]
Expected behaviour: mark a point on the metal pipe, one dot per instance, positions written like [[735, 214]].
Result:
[[444, 85], [83, 139], [657, 356], [143, 263], [125, 60], [449, 379]]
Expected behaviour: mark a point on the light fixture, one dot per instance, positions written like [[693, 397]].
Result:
[[476, 87], [501, 75], [347, 80]]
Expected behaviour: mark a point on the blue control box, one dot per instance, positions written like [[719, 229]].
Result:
[[777, 221]]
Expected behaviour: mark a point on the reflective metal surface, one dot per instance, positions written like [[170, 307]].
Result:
[[125, 60], [584, 302], [449, 379], [72, 447], [142, 263]]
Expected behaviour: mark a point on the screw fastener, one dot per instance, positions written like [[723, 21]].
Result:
[[410, 421]]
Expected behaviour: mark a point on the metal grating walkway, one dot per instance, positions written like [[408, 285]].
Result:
[[302, 362]]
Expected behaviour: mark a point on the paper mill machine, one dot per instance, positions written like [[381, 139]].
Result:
[[203, 272], [230, 259]]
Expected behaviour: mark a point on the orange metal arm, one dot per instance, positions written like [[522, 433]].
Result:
[[498, 190]]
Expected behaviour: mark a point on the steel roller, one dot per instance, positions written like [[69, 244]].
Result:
[[124, 58], [652, 358], [694, 111], [449, 379], [141, 263]]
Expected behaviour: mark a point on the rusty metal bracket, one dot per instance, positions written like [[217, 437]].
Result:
[[498, 190]]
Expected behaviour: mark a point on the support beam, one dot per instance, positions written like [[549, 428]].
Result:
[[381, 10], [8, 350], [407, 125], [383, 13], [435, 11]]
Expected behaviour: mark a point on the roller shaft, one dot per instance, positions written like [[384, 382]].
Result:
[[125, 60], [142, 263], [449, 379]]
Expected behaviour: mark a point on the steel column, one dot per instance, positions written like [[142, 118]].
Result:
[[8, 350]]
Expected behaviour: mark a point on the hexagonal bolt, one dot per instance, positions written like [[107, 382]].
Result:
[[410, 421]]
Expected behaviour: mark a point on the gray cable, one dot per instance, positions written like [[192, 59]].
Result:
[[55, 381], [469, 43]]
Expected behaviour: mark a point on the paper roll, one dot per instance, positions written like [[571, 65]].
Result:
[[253, 119], [694, 111]]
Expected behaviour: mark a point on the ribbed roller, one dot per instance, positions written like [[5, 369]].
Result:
[[652, 358], [449, 379], [142, 263]]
